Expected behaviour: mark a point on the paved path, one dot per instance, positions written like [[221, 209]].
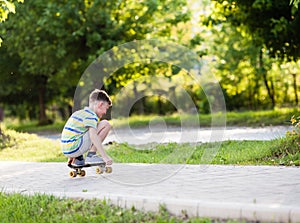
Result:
[[261, 193], [180, 135]]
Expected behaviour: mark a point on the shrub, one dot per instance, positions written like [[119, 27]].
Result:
[[6, 140], [294, 135], [289, 149]]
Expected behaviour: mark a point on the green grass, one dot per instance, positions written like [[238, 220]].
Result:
[[43, 208], [274, 152], [247, 118], [32, 126], [30, 147]]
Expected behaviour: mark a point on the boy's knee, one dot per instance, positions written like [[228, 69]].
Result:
[[105, 124]]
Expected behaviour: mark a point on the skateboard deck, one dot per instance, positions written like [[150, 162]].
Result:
[[78, 170]]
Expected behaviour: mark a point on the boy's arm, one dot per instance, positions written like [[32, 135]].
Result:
[[98, 144]]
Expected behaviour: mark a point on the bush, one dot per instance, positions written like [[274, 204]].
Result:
[[296, 124], [6, 140], [289, 149]]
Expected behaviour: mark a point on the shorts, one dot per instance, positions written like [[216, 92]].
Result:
[[85, 146]]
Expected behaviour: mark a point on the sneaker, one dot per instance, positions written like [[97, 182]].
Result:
[[78, 162], [93, 159]]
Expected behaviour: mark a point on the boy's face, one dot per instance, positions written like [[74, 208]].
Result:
[[101, 108]]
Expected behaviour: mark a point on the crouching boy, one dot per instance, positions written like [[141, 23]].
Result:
[[84, 132]]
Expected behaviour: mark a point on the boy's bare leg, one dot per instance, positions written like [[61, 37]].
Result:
[[70, 160], [103, 129]]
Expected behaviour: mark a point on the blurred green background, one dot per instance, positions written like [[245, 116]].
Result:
[[251, 46]]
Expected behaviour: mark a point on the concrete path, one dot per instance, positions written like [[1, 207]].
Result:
[[181, 135], [258, 193]]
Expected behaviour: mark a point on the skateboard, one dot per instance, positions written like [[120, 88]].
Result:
[[78, 170]]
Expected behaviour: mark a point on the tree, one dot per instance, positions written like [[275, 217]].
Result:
[[271, 26], [52, 42], [272, 23], [7, 7]]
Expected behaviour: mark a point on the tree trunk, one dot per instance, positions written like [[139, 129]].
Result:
[[295, 88], [270, 89], [256, 93], [173, 97], [43, 120], [139, 103]]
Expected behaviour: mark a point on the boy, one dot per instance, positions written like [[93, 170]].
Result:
[[85, 132]]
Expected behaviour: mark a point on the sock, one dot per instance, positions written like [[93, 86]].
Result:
[[79, 157], [90, 154]]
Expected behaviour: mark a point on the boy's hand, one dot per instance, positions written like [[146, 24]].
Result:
[[107, 160]]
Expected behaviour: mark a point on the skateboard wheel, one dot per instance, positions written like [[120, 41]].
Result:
[[73, 174], [99, 170], [108, 169], [82, 173]]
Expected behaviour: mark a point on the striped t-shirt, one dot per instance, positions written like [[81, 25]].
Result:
[[74, 129]]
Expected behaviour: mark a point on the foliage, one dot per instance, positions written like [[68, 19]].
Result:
[[49, 44], [294, 135], [272, 23], [252, 47], [295, 122], [6, 140], [287, 152], [6, 7], [252, 42]]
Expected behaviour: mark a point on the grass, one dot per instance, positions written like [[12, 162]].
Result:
[[228, 153], [32, 126], [246, 118], [43, 208], [30, 147]]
